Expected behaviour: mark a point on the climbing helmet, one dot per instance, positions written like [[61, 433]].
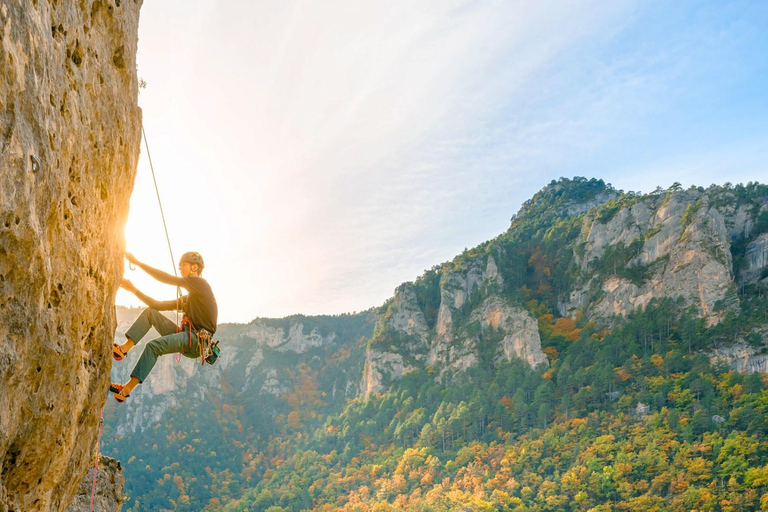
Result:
[[192, 258]]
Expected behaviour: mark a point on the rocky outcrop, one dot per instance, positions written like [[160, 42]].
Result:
[[520, 330], [107, 495], [458, 285], [294, 340], [456, 288], [512, 331], [471, 315], [69, 145], [682, 250], [406, 317], [743, 357], [756, 257], [381, 368]]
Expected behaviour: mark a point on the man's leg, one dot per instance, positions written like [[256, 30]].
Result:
[[170, 344], [147, 319]]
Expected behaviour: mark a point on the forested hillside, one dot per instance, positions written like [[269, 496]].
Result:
[[583, 360]]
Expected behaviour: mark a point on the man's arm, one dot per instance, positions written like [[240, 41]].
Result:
[[160, 305], [159, 275]]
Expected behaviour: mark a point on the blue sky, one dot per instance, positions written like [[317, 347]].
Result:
[[319, 154]]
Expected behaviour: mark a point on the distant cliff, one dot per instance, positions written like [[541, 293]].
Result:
[[472, 318], [579, 247], [69, 145], [260, 361]]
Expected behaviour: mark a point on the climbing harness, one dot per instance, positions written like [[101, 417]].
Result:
[[206, 347]]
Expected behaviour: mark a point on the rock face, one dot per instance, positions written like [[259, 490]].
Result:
[[108, 495], [757, 260], [743, 357], [679, 244], [472, 319], [69, 145]]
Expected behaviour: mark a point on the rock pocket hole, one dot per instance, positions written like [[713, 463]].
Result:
[[54, 298], [117, 58], [10, 458], [68, 219], [76, 54]]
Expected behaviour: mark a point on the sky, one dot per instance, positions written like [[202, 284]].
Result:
[[319, 154]]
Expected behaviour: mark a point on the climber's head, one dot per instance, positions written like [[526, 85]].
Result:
[[191, 264]]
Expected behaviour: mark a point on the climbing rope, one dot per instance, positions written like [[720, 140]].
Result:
[[157, 191], [167, 238], [98, 450]]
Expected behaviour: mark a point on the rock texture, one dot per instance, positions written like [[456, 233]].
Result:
[[757, 260], [743, 357], [684, 248], [381, 368], [69, 145], [471, 316], [108, 495], [521, 331], [295, 340]]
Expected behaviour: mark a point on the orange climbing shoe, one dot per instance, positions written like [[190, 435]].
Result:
[[117, 352], [117, 390]]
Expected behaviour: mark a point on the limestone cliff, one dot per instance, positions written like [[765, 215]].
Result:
[[472, 320], [756, 256], [743, 357], [107, 493], [676, 245], [69, 145], [583, 250]]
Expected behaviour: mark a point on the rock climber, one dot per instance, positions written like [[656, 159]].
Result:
[[199, 321]]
